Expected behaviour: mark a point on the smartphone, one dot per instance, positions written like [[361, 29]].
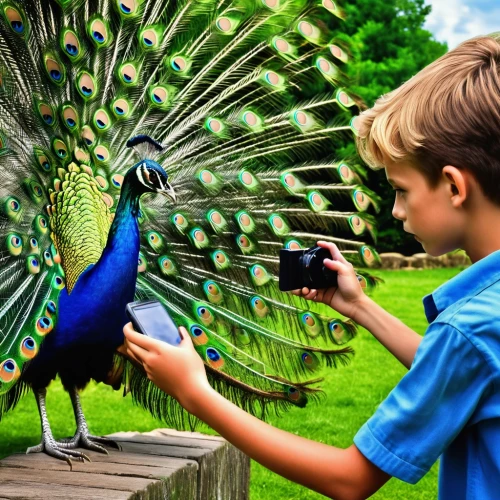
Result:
[[152, 319]]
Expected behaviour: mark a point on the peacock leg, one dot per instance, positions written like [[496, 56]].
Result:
[[82, 437], [49, 445]]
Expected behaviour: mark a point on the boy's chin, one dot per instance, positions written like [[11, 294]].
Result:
[[435, 251]]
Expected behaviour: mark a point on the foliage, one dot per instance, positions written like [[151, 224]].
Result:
[[389, 46]]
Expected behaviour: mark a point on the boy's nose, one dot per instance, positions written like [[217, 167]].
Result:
[[398, 212]]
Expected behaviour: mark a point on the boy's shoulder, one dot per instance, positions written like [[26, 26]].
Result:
[[470, 303]]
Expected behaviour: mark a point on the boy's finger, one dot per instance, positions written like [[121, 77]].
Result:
[[139, 339], [334, 251], [136, 352], [186, 338], [131, 357]]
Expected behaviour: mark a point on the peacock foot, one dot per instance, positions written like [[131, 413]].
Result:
[[48, 444], [83, 439], [57, 450]]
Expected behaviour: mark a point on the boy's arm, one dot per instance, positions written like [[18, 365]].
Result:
[[391, 332], [179, 371], [350, 300]]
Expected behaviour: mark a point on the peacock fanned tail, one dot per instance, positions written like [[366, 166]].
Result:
[[250, 102]]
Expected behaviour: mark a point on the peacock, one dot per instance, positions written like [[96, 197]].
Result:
[[167, 150]]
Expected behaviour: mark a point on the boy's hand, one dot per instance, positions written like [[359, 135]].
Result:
[[346, 296], [179, 371]]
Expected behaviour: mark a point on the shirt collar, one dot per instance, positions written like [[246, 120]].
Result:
[[468, 283]]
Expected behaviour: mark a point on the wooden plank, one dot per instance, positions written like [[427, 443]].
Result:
[[101, 481], [116, 463], [20, 490], [185, 442]]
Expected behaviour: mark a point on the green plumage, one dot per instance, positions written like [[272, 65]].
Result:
[[249, 100]]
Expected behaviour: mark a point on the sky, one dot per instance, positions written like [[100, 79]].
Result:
[[454, 21]]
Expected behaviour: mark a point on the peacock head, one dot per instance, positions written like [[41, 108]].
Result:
[[148, 175], [153, 178]]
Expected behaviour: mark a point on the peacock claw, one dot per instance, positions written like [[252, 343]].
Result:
[[57, 450], [82, 439]]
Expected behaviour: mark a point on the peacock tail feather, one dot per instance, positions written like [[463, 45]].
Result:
[[250, 102]]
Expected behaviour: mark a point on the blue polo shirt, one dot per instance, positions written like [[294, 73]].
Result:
[[448, 404]]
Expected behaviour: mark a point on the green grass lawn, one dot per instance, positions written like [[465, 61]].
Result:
[[352, 394]]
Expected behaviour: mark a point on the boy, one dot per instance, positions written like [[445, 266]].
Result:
[[438, 138]]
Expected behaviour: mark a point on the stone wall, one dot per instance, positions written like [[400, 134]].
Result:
[[393, 260]]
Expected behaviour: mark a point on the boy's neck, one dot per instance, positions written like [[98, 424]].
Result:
[[482, 236]]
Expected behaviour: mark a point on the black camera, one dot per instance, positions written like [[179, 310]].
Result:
[[305, 268]]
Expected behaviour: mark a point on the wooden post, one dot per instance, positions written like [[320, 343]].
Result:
[[162, 464]]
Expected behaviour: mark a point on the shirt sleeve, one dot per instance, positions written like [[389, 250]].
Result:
[[428, 408]]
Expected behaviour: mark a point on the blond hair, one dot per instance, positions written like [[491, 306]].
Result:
[[447, 114]]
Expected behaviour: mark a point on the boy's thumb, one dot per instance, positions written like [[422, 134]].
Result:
[[185, 338]]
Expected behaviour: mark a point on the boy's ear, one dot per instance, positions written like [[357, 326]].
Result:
[[458, 185]]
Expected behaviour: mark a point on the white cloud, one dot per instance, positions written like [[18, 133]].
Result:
[[454, 21]]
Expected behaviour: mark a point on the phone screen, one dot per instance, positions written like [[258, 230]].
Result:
[[155, 322]]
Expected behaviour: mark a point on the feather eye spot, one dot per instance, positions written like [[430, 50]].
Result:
[[220, 257], [17, 26], [300, 117], [306, 28], [34, 243], [213, 354], [9, 366], [206, 177], [214, 359], [199, 235], [250, 118], [293, 245], [244, 220], [272, 4], [128, 73], [247, 178], [149, 39], [44, 325], [216, 217], [196, 331], [71, 49], [272, 78], [117, 181], [14, 205], [224, 24], [178, 63], [58, 283], [281, 45], [29, 348], [9, 371], [14, 244], [33, 264], [309, 320], [198, 334], [125, 9], [277, 222], [51, 307], [293, 393], [98, 37], [214, 125], [290, 180]]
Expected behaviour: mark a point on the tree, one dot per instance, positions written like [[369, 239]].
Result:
[[389, 45]]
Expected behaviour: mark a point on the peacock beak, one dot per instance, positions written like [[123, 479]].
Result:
[[169, 193]]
